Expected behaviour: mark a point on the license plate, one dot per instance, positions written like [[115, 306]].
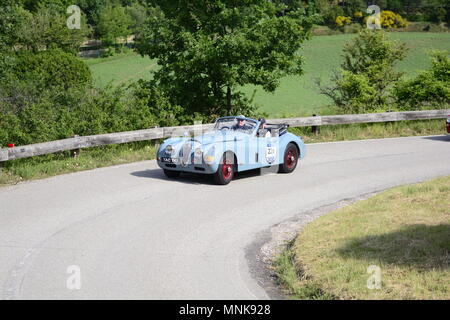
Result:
[[169, 160]]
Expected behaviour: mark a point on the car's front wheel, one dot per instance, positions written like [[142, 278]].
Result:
[[290, 159], [171, 173], [226, 170]]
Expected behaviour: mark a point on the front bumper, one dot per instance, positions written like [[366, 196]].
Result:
[[176, 165]]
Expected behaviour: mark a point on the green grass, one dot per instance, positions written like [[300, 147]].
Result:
[[120, 69], [404, 231], [372, 130], [295, 282], [296, 96]]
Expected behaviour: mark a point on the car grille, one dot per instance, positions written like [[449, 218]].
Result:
[[186, 149]]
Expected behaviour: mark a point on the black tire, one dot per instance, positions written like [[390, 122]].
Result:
[[171, 173], [225, 172], [290, 159]]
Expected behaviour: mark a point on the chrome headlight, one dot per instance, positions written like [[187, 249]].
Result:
[[209, 156], [169, 149], [198, 152]]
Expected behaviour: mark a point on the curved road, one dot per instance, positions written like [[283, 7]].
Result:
[[135, 234]]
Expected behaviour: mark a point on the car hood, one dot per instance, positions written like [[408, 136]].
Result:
[[213, 137]]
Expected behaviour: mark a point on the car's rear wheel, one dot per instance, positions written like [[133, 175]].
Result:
[[171, 173], [226, 170], [290, 159]]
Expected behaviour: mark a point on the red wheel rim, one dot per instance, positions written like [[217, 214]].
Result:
[[227, 170], [291, 158]]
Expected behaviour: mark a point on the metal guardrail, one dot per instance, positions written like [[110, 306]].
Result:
[[160, 133]]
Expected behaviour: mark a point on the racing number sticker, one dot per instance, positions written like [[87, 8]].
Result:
[[271, 154]]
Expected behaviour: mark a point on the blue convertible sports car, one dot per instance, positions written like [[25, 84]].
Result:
[[235, 144]]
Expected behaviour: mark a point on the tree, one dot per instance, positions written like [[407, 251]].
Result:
[[44, 28], [430, 89], [12, 19], [113, 22], [367, 74], [394, 5], [92, 9], [47, 29], [352, 6], [208, 49], [138, 14], [34, 5]]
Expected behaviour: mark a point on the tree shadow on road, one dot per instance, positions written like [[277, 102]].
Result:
[[422, 247]]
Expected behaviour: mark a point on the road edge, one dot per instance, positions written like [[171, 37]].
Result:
[[268, 244]]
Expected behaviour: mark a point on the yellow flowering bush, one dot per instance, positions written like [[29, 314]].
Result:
[[391, 19], [342, 21]]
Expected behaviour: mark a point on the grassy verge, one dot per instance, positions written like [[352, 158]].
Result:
[[60, 163], [372, 131], [404, 231]]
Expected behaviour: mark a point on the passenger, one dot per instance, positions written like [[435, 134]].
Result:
[[263, 132]]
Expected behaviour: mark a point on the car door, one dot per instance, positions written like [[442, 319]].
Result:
[[267, 150]]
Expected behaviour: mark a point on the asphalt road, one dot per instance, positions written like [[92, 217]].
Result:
[[135, 234]]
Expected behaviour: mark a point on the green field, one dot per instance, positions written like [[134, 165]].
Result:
[[120, 69], [295, 95]]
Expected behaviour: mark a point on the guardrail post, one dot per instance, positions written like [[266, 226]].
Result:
[[314, 129], [156, 142], [3, 158], [75, 152]]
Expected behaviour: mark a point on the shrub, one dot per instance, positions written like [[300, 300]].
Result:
[[52, 68], [331, 14], [415, 17], [358, 16], [367, 75], [56, 112], [342, 21], [430, 89], [356, 92], [391, 19], [10, 130]]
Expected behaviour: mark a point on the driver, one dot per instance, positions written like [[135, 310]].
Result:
[[241, 125]]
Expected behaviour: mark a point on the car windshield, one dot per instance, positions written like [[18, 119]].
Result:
[[235, 124]]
